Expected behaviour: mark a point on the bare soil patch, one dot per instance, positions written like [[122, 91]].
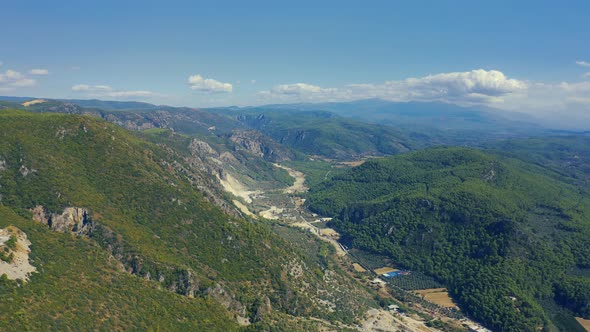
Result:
[[299, 184], [438, 296], [19, 267], [33, 102], [584, 322]]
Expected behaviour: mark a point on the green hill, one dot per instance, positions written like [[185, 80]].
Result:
[[78, 288], [147, 236], [508, 237]]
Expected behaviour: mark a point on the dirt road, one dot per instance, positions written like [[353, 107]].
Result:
[[299, 185]]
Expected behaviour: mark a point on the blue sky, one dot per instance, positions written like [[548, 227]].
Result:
[[334, 50]]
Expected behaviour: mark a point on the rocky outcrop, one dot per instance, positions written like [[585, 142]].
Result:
[[71, 220], [260, 145], [227, 299], [264, 309], [201, 148]]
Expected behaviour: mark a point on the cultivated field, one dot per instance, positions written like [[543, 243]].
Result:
[[438, 296], [383, 270]]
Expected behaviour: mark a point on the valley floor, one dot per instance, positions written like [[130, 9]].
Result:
[[286, 206]]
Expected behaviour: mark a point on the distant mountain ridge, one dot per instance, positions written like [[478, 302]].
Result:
[[91, 103]]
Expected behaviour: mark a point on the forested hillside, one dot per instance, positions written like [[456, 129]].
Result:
[[510, 239], [322, 133], [567, 155], [133, 210]]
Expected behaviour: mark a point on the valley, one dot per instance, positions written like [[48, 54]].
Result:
[[294, 166], [341, 239], [286, 206]]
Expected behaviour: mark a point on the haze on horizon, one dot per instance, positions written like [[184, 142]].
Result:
[[531, 56]]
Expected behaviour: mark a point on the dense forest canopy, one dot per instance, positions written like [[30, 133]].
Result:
[[507, 237]]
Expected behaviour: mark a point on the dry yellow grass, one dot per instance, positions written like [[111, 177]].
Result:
[[329, 233], [358, 268], [438, 296], [584, 322], [382, 270], [353, 163]]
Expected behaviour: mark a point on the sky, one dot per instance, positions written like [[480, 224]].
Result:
[[526, 56]]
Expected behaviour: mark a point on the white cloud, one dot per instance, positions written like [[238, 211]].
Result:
[[11, 79], [39, 71], [583, 63], [131, 94], [473, 87], [198, 83], [101, 91], [565, 105], [91, 88], [298, 89]]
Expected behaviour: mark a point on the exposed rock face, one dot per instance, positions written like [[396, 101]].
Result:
[[201, 148], [260, 145], [24, 171], [67, 108], [264, 309], [2, 165], [72, 220], [226, 299]]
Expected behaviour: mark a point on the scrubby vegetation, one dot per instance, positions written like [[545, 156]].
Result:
[[504, 235], [77, 287], [163, 235]]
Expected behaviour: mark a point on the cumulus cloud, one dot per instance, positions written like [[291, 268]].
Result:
[[11, 79], [583, 63], [476, 83], [101, 91], [565, 104], [198, 83], [39, 71], [473, 87]]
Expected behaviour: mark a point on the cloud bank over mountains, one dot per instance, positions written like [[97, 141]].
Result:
[[476, 86], [102, 91], [563, 101], [559, 102]]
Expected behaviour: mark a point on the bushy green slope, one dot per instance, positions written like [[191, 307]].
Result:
[[78, 288], [149, 214], [506, 237]]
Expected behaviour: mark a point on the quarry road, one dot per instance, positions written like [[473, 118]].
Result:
[[317, 232], [299, 184]]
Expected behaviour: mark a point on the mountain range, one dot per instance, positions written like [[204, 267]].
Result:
[[149, 217]]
